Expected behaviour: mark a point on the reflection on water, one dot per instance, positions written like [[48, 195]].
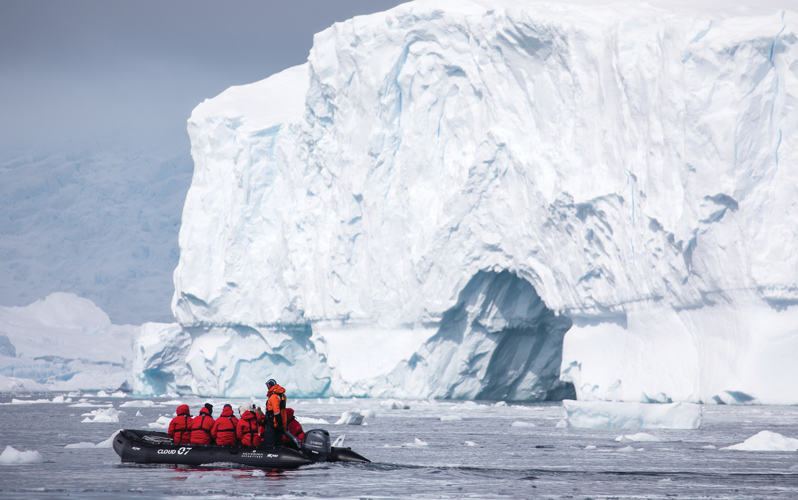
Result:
[[480, 455]]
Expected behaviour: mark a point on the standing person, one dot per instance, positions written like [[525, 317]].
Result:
[[275, 415], [248, 429], [201, 426], [224, 429], [180, 426], [294, 427]]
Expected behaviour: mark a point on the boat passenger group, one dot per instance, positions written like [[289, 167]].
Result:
[[254, 428]]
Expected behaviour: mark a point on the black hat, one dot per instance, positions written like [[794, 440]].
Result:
[[209, 407], [227, 406]]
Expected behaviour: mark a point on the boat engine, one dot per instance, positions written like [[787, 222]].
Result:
[[316, 445]]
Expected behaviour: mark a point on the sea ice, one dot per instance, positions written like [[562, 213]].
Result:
[[637, 438], [350, 418], [766, 441], [522, 424], [12, 456], [596, 414], [162, 423], [310, 420], [107, 415]]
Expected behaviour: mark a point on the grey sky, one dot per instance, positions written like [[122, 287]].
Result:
[[83, 68]]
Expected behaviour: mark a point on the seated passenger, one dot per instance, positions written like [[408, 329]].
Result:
[[294, 427], [201, 426], [248, 429], [224, 429], [180, 426]]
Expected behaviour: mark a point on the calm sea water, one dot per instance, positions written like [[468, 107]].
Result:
[[417, 455]]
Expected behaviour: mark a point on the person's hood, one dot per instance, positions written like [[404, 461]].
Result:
[[248, 415], [227, 412], [183, 410], [289, 412], [276, 389], [205, 411]]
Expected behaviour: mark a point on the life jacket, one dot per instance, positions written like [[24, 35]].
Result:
[[294, 427], [274, 406], [201, 427], [180, 426], [224, 429], [247, 430]]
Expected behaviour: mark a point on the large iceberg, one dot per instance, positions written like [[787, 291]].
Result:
[[445, 189]]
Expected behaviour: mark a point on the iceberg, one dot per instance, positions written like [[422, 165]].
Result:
[[12, 456], [625, 415], [766, 441], [63, 343], [502, 201]]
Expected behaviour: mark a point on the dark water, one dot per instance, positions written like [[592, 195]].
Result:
[[507, 462]]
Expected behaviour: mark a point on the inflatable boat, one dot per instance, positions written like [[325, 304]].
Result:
[[149, 447]]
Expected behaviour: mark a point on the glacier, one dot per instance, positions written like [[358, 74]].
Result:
[[499, 200]]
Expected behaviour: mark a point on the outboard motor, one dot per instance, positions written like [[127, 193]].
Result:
[[316, 445]]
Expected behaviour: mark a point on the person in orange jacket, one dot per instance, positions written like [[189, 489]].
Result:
[[276, 418], [180, 426], [248, 429], [294, 427], [201, 426], [224, 429]]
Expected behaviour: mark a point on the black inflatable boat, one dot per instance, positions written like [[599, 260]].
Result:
[[149, 447]]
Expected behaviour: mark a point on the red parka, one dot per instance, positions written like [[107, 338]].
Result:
[[201, 427], [248, 431], [294, 427], [224, 429], [180, 426]]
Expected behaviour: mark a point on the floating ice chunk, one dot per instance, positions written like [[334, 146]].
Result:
[[175, 402], [626, 449], [500, 403], [350, 418], [119, 394], [590, 447], [766, 441], [138, 414], [61, 399], [102, 394], [393, 404], [108, 443], [368, 413], [595, 414], [310, 420], [638, 438], [258, 473], [161, 423], [91, 405], [333, 400], [522, 424], [710, 447], [417, 443], [107, 415], [339, 441], [562, 424], [451, 418], [28, 401], [12, 456], [138, 404]]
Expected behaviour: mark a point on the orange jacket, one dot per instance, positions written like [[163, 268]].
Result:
[[180, 426], [224, 429], [276, 403], [201, 427]]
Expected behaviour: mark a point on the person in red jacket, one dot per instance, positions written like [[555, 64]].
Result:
[[180, 426], [224, 429], [294, 427], [248, 429], [201, 426]]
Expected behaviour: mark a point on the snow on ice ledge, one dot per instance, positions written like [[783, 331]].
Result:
[[445, 188]]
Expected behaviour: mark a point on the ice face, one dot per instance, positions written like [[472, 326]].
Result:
[[624, 169]]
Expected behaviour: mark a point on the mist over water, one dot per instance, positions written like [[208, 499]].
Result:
[[415, 454]]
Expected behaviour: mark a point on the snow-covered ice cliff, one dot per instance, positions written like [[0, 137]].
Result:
[[445, 189]]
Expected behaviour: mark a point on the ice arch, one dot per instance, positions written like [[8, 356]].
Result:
[[499, 341]]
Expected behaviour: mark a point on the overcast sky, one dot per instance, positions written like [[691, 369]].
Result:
[[78, 69]]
